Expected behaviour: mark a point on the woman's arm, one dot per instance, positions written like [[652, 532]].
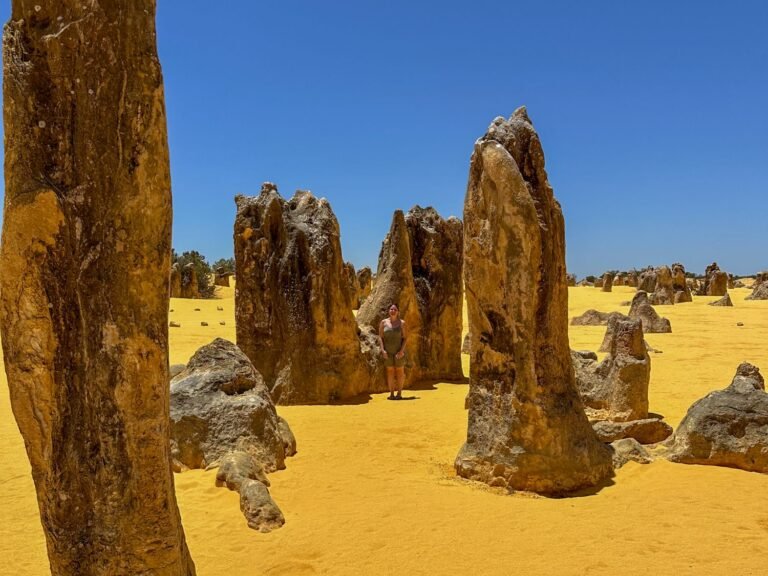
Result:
[[381, 337]]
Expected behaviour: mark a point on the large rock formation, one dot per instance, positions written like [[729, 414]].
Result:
[[632, 279], [219, 403], [664, 292], [189, 284], [620, 280], [607, 282], [646, 281], [680, 284], [642, 310], [715, 281], [419, 269], [527, 428], [85, 283], [727, 427], [292, 301], [221, 277]]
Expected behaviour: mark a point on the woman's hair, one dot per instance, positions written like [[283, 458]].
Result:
[[395, 305]]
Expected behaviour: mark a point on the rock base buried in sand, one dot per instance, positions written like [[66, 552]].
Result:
[[593, 317], [759, 292], [724, 301], [727, 427], [642, 310], [646, 430]]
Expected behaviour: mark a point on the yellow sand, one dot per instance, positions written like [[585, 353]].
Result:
[[372, 489]]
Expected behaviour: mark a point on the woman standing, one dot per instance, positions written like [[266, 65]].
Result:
[[392, 342]]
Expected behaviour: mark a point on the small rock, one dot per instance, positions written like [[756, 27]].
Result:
[[237, 467], [259, 509], [628, 449], [197, 309], [220, 308], [173, 324], [739, 323], [203, 323], [222, 322], [724, 301]]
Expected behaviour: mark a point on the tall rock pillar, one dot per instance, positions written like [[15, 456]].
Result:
[[85, 283], [527, 428]]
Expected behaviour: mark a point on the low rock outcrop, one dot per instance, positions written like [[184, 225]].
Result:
[[727, 427], [527, 429], [593, 317], [724, 301], [759, 292], [615, 391], [642, 310], [220, 403]]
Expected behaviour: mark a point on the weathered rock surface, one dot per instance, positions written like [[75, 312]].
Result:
[[680, 284], [365, 283], [175, 281], [85, 282], [724, 301], [642, 310], [221, 278], [220, 403], [607, 282], [619, 280], [350, 277], [292, 297], [649, 430], [420, 267], [759, 292], [527, 428], [617, 388], [189, 284], [629, 449], [727, 427], [715, 281], [593, 317], [237, 467], [647, 280], [664, 292], [632, 279], [259, 509]]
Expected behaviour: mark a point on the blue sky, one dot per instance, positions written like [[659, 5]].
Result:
[[653, 116]]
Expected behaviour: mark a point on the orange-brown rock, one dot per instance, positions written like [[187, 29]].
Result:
[[607, 285], [527, 428], [365, 284], [221, 278], [175, 281], [715, 281], [664, 292], [632, 279], [85, 284], [680, 284], [350, 276], [293, 308], [189, 284], [419, 269]]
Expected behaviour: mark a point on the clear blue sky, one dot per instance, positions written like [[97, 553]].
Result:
[[653, 116]]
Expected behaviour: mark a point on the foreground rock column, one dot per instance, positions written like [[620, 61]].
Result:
[[527, 427], [85, 283]]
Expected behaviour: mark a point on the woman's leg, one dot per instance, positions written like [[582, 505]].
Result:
[[400, 378], [391, 379]]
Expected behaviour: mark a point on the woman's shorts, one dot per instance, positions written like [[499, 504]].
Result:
[[391, 361]]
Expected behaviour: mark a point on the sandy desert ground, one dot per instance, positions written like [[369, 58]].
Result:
[[372, 489]]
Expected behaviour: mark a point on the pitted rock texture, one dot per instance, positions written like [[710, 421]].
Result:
[[607, 282], [189, 284], [175, 281], [420, 268], [680, 284], [221, 278], [365, 283], [759, 292], [220, 403], [715, 281], [727, 427], [527, 428], [642, 310], [651, 430], [664, 292], [593, 317], [85, 282], [617, 388], [629, 449], [293, 308], [350, 277]]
